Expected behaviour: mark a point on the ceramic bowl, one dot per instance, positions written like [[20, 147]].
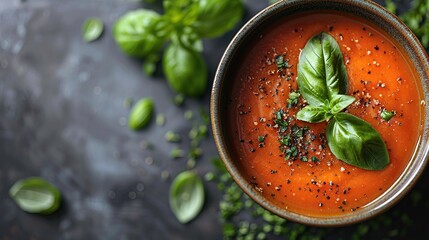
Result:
[[378, 16]]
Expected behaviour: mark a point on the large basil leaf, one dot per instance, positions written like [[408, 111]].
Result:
[[356, 142], [313, 114], [141, 33], [186, 196], [321, 70], [217, 17], [36, 195], [185, 70]]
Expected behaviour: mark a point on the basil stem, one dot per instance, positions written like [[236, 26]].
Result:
[[36, 195], [186, 196], [356, 142]]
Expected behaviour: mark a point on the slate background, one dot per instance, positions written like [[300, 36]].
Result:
[[63, 118]]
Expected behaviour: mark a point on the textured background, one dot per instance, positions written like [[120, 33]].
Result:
[[63, 118]]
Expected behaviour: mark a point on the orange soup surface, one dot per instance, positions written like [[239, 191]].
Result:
[[316, 183]]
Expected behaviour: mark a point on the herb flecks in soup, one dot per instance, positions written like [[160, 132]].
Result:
[[291, 162]]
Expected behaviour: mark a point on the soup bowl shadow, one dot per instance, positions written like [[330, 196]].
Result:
[[376, 15]]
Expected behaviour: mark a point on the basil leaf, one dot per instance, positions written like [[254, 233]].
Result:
[[356, 142], [313, 114], [36, 195], [181, 12], [321, 70], [141, 114], [215, 17], [185, 70], [92, 29], [141, 32], [186, 196], [340, 102]]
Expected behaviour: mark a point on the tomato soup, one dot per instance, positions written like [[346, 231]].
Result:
[[318, 184]]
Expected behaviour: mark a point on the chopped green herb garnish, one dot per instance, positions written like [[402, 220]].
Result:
[[188, 115], [171, 136], [195, 152], [177, 153], [282, 63], [314, 159], [293, 99], [179, 99], [261, 139], [387, 115], [160, 119]]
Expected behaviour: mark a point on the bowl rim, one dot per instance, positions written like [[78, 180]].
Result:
[[412, 171]]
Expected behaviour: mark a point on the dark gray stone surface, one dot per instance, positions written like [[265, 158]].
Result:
[[63, 118]]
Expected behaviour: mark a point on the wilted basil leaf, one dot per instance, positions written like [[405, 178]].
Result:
[[356, 142], [185, 70], [186, 196], [321, 70], [36, 195], [217, 17], [92, 29], [141, 32]]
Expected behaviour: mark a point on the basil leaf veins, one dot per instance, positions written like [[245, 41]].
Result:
[[356, 142], [321, 70], [36, 195], [186, 196], [322, 81]]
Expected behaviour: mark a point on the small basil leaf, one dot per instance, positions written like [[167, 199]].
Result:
[[312, 114], [321, 70], [181, 12], [186, 196], [217, 17], [340, 102], [185, 70], [36, 195], [141, 32], [92, 29], [356, 142], [141, 114]]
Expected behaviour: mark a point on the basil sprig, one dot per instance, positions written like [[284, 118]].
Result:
[[144, 33], [323, 82]]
